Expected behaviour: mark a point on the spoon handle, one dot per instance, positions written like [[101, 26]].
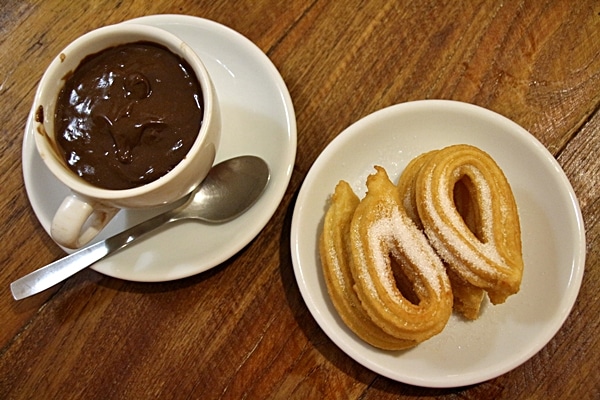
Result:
[[56, 272]]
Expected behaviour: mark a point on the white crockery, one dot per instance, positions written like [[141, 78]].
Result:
[[504, 336], [257, 117], [87, 209]]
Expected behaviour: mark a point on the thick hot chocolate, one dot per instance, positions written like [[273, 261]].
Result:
[[128, 115]]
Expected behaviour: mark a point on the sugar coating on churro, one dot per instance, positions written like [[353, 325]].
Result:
[[450, 226], [447, 211], [493, 260], [411, 307], [393, 231]]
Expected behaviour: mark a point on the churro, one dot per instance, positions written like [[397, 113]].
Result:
[[483, 244]]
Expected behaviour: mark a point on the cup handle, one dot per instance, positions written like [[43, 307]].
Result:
[[78, 220]]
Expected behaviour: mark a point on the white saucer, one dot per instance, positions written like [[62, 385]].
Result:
[[258, 119], [553, 237]]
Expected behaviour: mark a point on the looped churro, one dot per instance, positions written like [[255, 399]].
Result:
[[482, 242], [389, 251], [335, 254], [397, 262], [383, 277], [467, 298]]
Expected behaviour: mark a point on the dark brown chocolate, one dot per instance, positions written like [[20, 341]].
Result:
[[128, 115]]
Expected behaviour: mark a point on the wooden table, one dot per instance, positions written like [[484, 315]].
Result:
[[242, 329]]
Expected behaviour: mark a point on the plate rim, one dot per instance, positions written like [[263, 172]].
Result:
[[356, 129]]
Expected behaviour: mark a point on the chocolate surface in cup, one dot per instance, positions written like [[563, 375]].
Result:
[[128, 115]]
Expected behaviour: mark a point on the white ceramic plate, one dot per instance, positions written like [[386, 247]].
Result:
[[258, 119], [552, 232]]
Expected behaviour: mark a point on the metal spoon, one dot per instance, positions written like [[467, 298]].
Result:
[[230, 188]]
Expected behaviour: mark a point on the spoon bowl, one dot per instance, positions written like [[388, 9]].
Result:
[[230, 188]]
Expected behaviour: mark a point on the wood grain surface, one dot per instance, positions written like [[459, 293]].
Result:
[[242, 330]]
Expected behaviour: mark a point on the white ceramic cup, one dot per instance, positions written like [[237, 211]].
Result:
[[88, 208]]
